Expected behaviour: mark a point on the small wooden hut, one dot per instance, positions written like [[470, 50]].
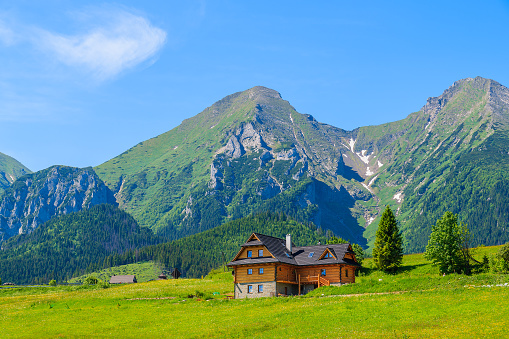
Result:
[[123, 279]]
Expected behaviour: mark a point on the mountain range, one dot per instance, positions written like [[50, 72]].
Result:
[[253, 152]]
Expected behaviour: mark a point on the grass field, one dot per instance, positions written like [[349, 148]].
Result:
[[424, 305]]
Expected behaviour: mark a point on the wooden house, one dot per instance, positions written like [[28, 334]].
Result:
[[123, 279], [268, 266]]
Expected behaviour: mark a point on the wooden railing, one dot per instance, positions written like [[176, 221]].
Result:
[[309, 279], [322, 281], [315, 279]]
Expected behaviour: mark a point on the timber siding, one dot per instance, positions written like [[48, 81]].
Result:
[[289, 270]]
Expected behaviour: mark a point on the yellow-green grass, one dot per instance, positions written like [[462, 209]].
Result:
[[416, 274], [144, 271], [164, 308]]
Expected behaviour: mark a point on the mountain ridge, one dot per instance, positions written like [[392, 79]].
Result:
[[243, 151]]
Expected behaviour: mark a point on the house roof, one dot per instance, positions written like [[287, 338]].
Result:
[[123, 279], [300, 256]]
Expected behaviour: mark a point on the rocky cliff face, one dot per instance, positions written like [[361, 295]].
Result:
[[35, 198]]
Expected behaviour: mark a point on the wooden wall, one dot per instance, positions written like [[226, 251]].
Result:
[[241, 275], [243, 253], [286, 273], [351, 275]]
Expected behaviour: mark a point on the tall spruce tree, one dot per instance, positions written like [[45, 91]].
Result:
[[388, 250]]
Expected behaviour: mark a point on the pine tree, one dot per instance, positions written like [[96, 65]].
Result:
[[388, 250]]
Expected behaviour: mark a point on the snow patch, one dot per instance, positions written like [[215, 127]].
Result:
[[380, 164], [367, 187], [211, 127], [346, 156], [174, 148], [398, 197], [368, 172], [370, 220], [351, 143], [372, 181], [362, 155], [291, 117]]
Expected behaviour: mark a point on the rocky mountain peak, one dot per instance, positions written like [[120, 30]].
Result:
[[260, 92], [35, 198]]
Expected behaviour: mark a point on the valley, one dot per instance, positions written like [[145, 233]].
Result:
[[252, 153]]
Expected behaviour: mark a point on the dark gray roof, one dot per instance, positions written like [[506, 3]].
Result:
[[123, 279], [299, 256]]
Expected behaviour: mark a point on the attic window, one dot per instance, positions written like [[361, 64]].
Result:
[[287, 255], [260, 253], [327, 255], [311, 254], [249, 254]]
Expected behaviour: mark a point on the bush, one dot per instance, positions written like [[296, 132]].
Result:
[[503, 253], [52, 282], [91, 280], [104, 284]]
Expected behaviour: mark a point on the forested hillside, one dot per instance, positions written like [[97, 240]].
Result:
[[67, 245], [197, 254]]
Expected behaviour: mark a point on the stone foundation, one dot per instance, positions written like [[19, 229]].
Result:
[[269, 290]]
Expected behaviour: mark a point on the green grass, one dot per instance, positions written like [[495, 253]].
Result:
[[167, 308], [144, 271]]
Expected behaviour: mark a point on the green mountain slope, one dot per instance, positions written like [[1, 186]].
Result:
[[252, 152], [249, 152], [463, 130], [10, 170], [69, 244]]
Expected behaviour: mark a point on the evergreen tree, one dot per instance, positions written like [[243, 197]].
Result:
[[388, 250], [359, 253], [446, 244]]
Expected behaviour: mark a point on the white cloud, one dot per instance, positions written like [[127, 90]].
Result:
[[120, 41]]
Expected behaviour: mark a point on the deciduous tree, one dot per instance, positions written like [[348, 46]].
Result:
[[448, 245]]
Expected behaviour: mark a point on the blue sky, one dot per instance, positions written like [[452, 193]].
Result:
[[81, 82]]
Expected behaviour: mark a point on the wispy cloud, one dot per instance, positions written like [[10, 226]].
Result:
[[6, 34], [117, 40]]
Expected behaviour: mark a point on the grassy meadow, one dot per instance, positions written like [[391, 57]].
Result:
[[415, 303]]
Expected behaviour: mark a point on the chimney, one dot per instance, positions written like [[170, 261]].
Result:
[[289, 243]]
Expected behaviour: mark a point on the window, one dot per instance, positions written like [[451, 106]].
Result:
[[249, 271], [311, 254], [249, 254], [260, 253], [260, 288], [260, 271], [346, 272], [327, 255], [249, 288], [323, 272], [287, 255]]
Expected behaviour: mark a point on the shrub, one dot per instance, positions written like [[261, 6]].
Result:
[[503, 253], [91, 280], [52, 282]]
